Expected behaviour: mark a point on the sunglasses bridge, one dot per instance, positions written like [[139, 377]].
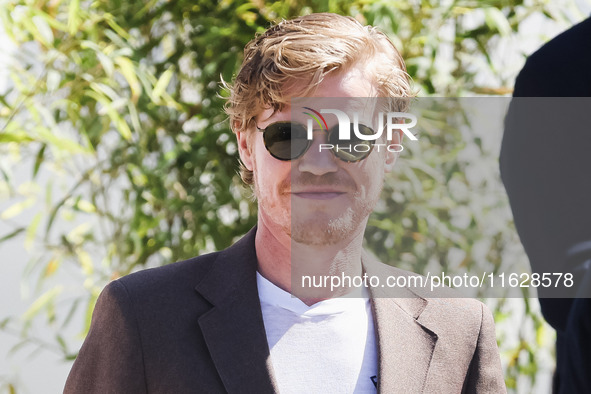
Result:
[[289, 141]]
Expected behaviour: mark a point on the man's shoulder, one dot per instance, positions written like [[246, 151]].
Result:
[[190, 270], [221, 266], [440, 306], [159, 289], [445, 297]]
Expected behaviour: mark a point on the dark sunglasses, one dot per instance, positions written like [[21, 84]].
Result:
[[289, 141]]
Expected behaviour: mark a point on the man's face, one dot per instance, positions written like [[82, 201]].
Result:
[[316, 199]]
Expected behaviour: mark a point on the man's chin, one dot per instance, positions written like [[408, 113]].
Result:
[[321, 230]]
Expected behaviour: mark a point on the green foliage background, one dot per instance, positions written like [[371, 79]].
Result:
[[113, 139]]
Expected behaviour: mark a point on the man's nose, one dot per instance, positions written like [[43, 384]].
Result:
[[318, 161]]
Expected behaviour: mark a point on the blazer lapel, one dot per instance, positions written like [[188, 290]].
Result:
[[405, 344], [233, 329]]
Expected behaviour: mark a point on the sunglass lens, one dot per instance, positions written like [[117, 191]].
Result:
[[285, 140], [354, 149]]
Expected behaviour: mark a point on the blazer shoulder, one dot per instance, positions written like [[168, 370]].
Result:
[[175, 274], [471, 313], [443, 306], [189, 273]]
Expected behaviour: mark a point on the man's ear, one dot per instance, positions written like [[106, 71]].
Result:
[[392, 150], [244, 148]]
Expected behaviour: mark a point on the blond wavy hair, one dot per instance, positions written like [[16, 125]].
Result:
[[307, 49]]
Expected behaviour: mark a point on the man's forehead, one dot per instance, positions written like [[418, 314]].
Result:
[[362, 107], [302, 107]]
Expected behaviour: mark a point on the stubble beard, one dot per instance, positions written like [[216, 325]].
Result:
[[320, 229], [316, 228]]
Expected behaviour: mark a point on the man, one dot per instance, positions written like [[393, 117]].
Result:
[[226, 322], [547, 138]]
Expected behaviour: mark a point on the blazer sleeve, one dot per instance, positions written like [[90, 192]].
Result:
[[110, 360], [485, 374]]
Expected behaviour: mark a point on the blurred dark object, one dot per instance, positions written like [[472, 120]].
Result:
[[546, 168], [576, 362]]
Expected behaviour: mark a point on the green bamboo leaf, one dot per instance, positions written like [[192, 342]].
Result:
[[147, 80], [19, 136], [161, 85], [106, 62], [35, 352], [85, 206], [17, 208], [5, 175], [85, 44], [39, 159], [18, 346], [44, 30], [30, 28], [121, 125], [62, 343], [77, 235], [42, 302], [118, 40], [135, 120], [107, 91], [97, 96], [62, 143], [5, 20], [71, 313], [85, 262], [12, 234], [51, 267], [53, 214], [50, 21], [32, 230], [118, 29], [7, 107], [74, 16], [127, 69], [495, 19], [149, 5]]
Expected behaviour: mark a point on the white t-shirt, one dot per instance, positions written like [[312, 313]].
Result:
[[328, 347]]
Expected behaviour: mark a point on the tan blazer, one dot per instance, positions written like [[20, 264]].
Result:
[[196, 327]]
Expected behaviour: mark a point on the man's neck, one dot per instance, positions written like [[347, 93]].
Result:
[[299, 269]]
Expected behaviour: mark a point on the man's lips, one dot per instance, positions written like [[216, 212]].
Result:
[[318, 194]]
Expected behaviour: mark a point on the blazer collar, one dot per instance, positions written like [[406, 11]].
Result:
[[406, 342], [233, 329]]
